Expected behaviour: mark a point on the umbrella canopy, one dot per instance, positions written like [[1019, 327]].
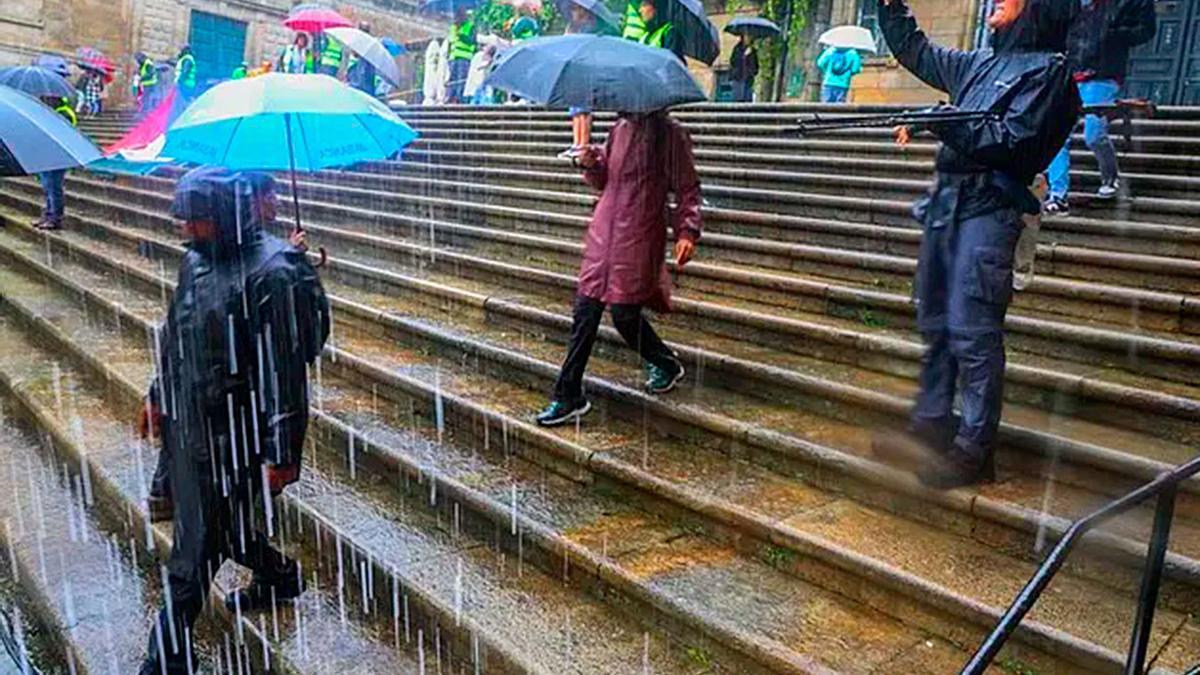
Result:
[[303, 7], [754, 26], [371, 50], [599, 73], [597, 7], [701, 40], [36, 81], [315, 20], [246, 124], [394, 48], [448, 6], [53, 63], [34, 138], [849, 37], [89, 56]]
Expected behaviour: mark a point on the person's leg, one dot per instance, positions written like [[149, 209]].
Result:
[[982, 277], [1095, 127], [837, 94], [52, 184], [1059, 173], [932, 415], [585, 137], [569, 386], [664, 370], [276, 577]]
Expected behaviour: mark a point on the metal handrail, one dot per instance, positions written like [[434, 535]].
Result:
[[1164, 488]]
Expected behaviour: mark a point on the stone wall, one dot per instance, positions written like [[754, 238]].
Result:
[[947, 22], [120, 28]]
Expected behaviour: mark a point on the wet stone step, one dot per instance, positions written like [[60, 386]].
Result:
[[1033, 494]]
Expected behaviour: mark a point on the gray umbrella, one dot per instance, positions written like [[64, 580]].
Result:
[[599, 73], [36, 81], [603, 14], [34, 138], [370, 49]]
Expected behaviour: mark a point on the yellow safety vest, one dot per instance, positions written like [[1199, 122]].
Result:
[[635, 28], [148, 75], [331, 55], [462, 40], [65, 110], [187, 81], [656, 38]]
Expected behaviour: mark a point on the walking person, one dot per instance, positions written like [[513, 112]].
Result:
[[1098, 50], [972, 220], [297, 58], [645, 157], [91, 88], [463, 45], [838, 66], [52, 181], [229, 401], [743, 68], [185, 74]]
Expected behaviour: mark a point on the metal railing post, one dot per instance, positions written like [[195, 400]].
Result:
[[1139, 643]]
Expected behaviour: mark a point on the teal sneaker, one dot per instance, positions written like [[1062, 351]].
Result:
[[660, 380], [561, 412]]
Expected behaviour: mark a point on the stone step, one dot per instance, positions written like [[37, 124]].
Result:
[[660, 554], [564, 630], [90, 587], [1037, 321], [655, 453]]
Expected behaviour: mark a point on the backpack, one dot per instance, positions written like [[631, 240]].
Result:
[[839, 64]]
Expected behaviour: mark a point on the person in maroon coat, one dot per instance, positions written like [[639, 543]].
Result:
[[624, 267]]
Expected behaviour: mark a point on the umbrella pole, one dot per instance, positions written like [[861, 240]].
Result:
[[292, 166]]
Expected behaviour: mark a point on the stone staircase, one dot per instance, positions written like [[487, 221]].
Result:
[[737, 525]]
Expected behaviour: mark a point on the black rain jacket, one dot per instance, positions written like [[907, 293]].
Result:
[[1100, 40], [987, 165]]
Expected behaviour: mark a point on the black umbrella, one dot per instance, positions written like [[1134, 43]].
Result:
[[594, 72], [701, 40], [36, 81], [754, 26]]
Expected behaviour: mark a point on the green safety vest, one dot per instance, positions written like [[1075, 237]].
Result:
[[65, 110], [238, 73], [635, 28], [656, 38], [462, 40], [331, 55], [188, 80], [148, 75]]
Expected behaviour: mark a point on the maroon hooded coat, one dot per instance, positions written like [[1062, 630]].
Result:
[[645, 157]]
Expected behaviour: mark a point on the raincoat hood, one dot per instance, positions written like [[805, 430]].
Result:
[[224, 198], [1041, 27]]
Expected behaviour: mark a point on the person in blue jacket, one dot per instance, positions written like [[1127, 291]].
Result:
[[838, 66], [972, 219]]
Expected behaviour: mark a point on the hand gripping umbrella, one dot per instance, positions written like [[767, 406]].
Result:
[[239, 124], [34, 138]]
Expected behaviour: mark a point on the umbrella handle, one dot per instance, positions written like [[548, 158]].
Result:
[[324, 258]]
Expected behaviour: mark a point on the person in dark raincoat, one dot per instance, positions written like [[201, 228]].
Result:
[[229, 400], [644, 157], [972, 219]]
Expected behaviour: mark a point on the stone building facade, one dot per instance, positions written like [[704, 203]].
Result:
[[120, 28]]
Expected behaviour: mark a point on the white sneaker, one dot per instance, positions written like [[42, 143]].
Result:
[[1109, 191]]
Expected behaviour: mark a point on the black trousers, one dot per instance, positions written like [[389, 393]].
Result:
[[220, 528], [629, 322]]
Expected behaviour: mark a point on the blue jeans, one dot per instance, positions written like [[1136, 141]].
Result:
[[1095, 134], [743, 91], [52, 185], [831, 94], [459, 70], [963, 286]]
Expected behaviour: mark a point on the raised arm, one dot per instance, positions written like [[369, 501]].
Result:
[[940, 67]]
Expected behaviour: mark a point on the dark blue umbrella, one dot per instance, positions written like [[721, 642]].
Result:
[[700, 38], [596, 7], [34, 138], [594, 72], [394, 48], [754, 26], [54, 63], [36, 81], [448, 6]]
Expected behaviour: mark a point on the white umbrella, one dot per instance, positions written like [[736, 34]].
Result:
[[370, 49], [850, 37]]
